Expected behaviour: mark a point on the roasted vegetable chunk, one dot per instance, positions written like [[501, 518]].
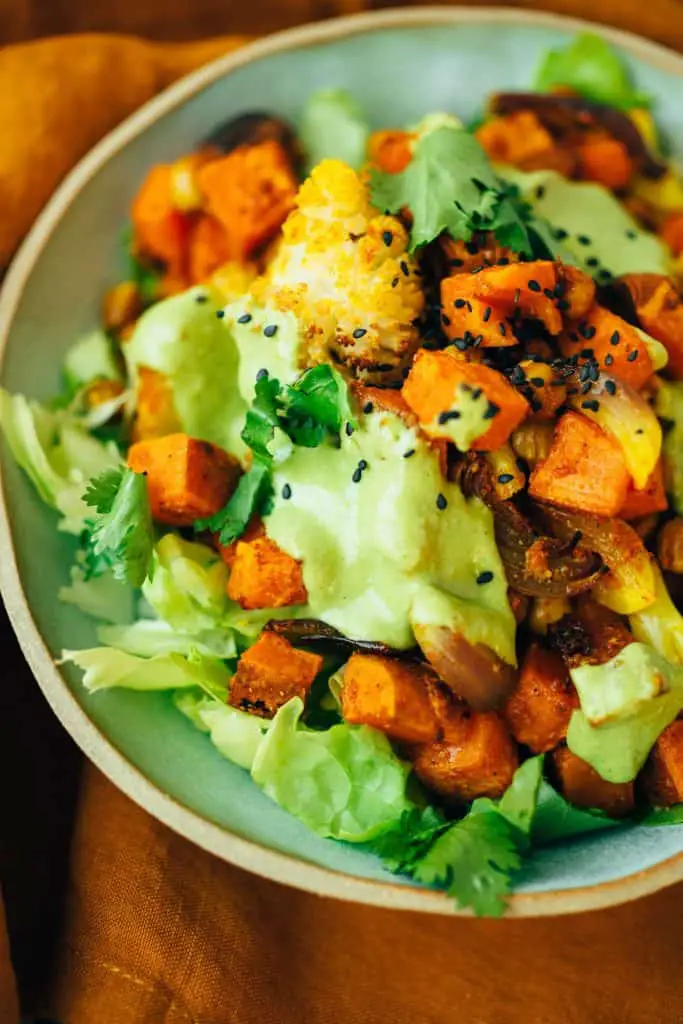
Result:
[[187, 479], [270, 673], [390, 695], [476, 757], [663, 774], [156, 415], [583, 787], [265, 576], [539, 710]]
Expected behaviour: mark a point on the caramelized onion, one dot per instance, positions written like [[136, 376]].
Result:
[[472, 671], [313, 633]]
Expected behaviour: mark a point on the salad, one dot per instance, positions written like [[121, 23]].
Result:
[[376, 464]]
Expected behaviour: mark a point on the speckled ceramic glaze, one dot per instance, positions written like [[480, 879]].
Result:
[[400, 65]]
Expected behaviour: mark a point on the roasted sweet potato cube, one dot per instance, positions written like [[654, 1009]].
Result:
[[652, 498], [265, 576], [156, 414], [476, 757], [539, 710], [270, 673], [663, 773], [187, 479], [583, 787], [390, 695]]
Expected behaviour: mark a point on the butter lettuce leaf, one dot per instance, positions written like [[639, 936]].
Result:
[[107, 667], [103, 597], [235, 734], [334, 126], [187, 588], [556, 819], [149, 637], [591, 67]]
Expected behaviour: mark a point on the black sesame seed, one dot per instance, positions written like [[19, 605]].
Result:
[[501, 328], [587, 331], [540, 191], [610, 387], [286, 492], [404, 268], [534, 286], [592, 261], [220, 313], [521, 465], [387, 238], [504, 261], [604, 274], [491, 410], [457, 263], [631, 233], [472, 248], [201, 299], [583, 240], [357, 475], [409, 454], [445, 320], [505, 478], [394, 282], [576, 539], [477, 393], [538, 382], [460, 303], [360, 332], [558, 290], [486, 314], [362, 465], [640, 430], [549, 293], [270, 331], [261, 373], [517, 376], [592, 404], [484, 577], [367, 407], [632, 356], [609, 359], [441, 502], [244, 319], [585, 388], [448, 415], [563, 305], [349, 429], [560, 234], [461, 344], [614, 340]]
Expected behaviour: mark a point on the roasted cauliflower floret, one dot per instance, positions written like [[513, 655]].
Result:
[[344, 271]]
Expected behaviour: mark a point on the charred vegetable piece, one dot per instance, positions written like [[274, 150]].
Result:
[[662, 777], [543, 388], [652, 498], [560, 114], [264, 576], [520, 139], [578, 290], [476, 757], [187, 479], [652, 302], [483, 250], [209, 248], [312, 633], [392, 696], [391, 150], [464, 315], [583, 787], [585, 469], [271, 673], [252, 128], [606, 161], [539, 710], [472, 671], [121, 307], [160, 230], [670, 546], [672, 232], [522, 289], [614, 346]]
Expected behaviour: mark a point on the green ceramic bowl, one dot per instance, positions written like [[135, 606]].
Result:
[[401, 64]]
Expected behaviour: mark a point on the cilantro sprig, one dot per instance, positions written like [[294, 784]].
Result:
[[120, 537], [307, 412], [450, 185]]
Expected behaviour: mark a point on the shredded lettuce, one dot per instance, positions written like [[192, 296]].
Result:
[[56, 453], [556, 819], [188, 586], [103, 597], [235, 734], [91, 358], [149, 637], [590, 66], [333, 125], [105, 668]]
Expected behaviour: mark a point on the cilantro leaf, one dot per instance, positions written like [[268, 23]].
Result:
[[317, 404], [450, 186], [664, 816], [252, 495], [262, 417], [590, 66], [475, 860], [403, 845], [121, 536]]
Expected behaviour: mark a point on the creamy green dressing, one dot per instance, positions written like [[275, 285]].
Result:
[[463, 429], [597, 226], [211, 362], [393, 544]]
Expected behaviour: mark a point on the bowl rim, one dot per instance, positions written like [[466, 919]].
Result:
[[229, 846]]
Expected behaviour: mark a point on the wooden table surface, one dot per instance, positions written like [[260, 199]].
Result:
[[191, 19]]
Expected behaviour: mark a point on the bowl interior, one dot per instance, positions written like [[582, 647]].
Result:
[[398, 74]]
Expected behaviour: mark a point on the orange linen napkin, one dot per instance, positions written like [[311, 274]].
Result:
[[155, 931]]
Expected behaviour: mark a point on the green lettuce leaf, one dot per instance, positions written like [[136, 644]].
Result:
[[106, 667], [91, 358], [187, 588], [333, 125], [519, 801], [450, 186], [345, 783], [121, 536], [235, 734], [149, 637], [625, 705], [56, 453], [664, 816], [590, 66], [103, 597], [555, 818]]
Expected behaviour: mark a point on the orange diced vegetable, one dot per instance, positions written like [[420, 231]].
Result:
[[585, 469], [476, 757], [660, 312], [652, 498], [265, 576], [617, 347], [390, 400], [463, 314], [578, 290], [539, 710], [663, 773], [255, 528], [432, 388], [670, 545], [270, 674], [523, 288], [583, 787], [187, 479], [250, 191], [607, 161], [607, 633], [156, 415], [519, 139], [672, 232], [543, 389], [161, 231], [390, 695], [484, 250], [391, 150], [121, 306], [208, 248]]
